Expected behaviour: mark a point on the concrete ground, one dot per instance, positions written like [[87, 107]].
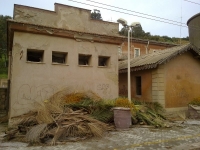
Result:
[[181, 136]]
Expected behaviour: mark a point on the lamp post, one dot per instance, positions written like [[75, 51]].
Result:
[[129, 67], [124, 23], [130, 28]]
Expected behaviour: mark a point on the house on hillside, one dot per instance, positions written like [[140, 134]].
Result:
[[170, 76], [52, 50]]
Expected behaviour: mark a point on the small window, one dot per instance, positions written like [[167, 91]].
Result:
[[59, 57], [35, 55], [103, 61], [84, 59], [136, 52], [119, 50], [138, 85]]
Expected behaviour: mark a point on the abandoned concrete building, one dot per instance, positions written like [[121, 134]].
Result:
[[53, 50], [65, 49], [169, 76]]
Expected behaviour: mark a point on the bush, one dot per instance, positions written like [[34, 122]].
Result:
[[123, 102], [195, 101]]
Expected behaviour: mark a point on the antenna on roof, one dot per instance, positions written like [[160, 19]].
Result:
[[181, 22]]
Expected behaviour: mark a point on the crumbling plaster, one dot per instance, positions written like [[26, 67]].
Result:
[[65, 17], [33, 82]]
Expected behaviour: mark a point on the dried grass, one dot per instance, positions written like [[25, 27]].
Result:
[[44, 116], [52, 120], [96, 129], [28, 118], [33, 135]]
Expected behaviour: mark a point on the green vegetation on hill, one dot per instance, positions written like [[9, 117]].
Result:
[[138, 32]]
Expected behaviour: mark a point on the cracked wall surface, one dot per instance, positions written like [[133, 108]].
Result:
[[65, 17], [35, 82]]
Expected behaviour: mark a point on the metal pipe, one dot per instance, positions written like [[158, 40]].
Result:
[[147, 48], [129, 70]]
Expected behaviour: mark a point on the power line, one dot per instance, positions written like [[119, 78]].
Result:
[[135, 12], [129, 13], [191, 27], [192, 2]]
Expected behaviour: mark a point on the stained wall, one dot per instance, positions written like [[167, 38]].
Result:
[[146, 86], [33, 82], [66, 17], [182, 80]]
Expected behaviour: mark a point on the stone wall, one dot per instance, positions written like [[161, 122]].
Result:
[[3, 83], [158, 85]]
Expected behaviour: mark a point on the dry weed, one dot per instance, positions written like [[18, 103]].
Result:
[[33, 135]]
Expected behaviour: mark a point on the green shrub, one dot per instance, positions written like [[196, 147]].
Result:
[[195, 101]]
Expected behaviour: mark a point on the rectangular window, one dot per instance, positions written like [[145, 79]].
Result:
[[138, 80], [136, 52], [84, 59], [59, 57], [35, 55], [103, 61]]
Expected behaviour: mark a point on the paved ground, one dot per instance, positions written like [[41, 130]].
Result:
[[180, 137]]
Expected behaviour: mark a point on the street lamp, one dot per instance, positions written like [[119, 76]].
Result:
[[134, 24]]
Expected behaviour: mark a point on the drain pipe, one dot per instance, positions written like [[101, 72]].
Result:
[[147, 48]]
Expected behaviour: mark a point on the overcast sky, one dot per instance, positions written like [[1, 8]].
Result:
[[139, 11]]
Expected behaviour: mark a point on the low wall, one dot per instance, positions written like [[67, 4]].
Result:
[[3, 99]]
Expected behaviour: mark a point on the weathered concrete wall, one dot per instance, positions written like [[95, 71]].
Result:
[[146, 85], [158, 85], [3, 83], [182, 80], [3, 99], [66, 17], [36, 81], [194, 32]]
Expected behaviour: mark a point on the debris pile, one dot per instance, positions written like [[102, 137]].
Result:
[[72, 116], [53, 122]]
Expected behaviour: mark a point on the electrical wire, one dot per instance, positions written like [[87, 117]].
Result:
[[192, 2], [135, 12], [127, 13], [191, 27]]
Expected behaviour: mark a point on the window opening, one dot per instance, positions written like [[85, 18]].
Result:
[[35, 55], [103, 61], [59, 57], [138, 85], [136, 52], [84, 59]]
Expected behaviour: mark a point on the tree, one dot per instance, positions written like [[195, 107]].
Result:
[[96, 14], [3, 31], [136, 31], [3, 46]]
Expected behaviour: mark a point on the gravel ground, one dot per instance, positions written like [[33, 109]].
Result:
[[181, 136]]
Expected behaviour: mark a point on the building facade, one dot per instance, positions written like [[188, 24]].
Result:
[[139, 47], [63, 49], [170, 77]]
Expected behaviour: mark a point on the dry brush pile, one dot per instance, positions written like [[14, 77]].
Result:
[[75, 116], [53, 122]]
